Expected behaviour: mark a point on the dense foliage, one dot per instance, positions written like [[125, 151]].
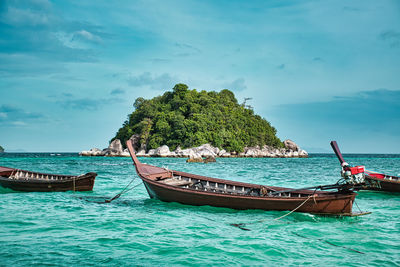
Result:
[[189, 118]]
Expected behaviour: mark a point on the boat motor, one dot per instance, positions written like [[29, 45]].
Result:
[[353, 175]]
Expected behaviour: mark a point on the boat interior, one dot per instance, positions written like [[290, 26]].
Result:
[[226, 188]]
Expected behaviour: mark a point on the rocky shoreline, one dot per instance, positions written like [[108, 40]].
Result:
[[115, 149]]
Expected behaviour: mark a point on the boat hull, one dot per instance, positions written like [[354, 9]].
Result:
[[83, 184], [381, 184], [41, 182], [321, 203]]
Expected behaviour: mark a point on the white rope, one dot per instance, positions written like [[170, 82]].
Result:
[[283, 216]]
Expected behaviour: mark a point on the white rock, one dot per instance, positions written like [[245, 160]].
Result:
[[151, 152], [95, 152], [141, 153], [105, 152], [194, 157], [205, 150], [163, 151], [178, 151], [115, 147], [290, 145], [125, 154], [206, 153], [186, 152], [251, 152], [303, 153], [84, 153], [221, 152], [226, 155]]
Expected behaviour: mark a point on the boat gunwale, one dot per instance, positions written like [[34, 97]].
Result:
[[13, 170], [65, 179], [396, 181]]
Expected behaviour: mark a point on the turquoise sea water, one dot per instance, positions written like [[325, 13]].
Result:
[[68, 228]]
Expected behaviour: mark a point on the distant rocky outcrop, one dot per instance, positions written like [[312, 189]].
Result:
[[196, 154], [115, 149], [1, 149]]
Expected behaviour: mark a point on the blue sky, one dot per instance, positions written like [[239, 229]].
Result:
[[317, 70]]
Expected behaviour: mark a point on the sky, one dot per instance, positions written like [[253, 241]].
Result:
[[70, 71]]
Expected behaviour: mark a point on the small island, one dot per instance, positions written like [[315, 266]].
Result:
[[189, 123], [1, 149]]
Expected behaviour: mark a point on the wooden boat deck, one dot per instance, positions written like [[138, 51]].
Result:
[[227, 188]]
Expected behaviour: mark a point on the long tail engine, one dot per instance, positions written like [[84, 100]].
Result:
[[353, 175]]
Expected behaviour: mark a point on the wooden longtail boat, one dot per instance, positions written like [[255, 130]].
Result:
[[21, 180], [381, 182], [191, 189], [367, 180]]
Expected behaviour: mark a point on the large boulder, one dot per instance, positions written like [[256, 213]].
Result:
[[205, 150], [141, 153], [221, 152], [194, 157], [163, 151], [290, 145], [151, 153], [178, 152], [303, 153], [115, 147], [187, 152]]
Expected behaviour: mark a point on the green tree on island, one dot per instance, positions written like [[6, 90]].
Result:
[[189, 118]]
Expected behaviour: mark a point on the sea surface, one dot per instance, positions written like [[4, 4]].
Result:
[[77, 229]]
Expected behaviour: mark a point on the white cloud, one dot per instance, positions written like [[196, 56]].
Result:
[[25, 17], [155, 82], [87, 36]]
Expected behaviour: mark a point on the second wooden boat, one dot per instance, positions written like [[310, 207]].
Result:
[[186, 188], [382, 182], [28, 181], [364, 179]]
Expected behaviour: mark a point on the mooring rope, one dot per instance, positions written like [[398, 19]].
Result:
[[242, 225], [283, 216], [357, 206], [123, 191]]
